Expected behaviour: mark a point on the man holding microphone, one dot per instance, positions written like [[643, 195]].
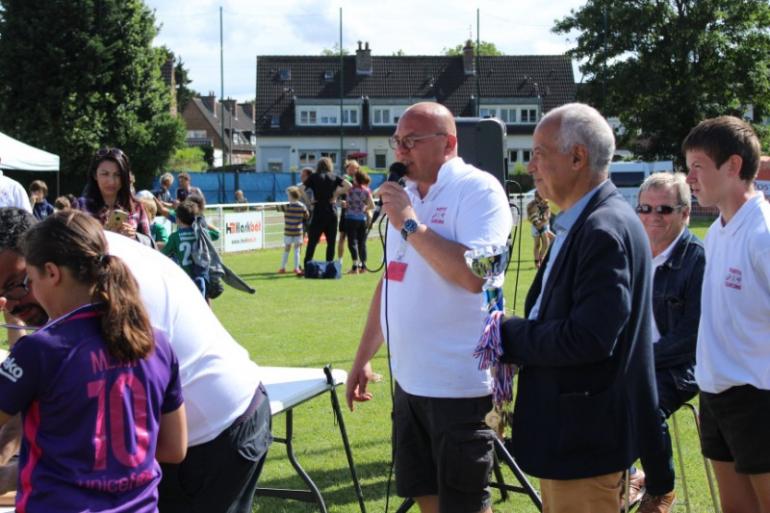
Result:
[[428, 306]]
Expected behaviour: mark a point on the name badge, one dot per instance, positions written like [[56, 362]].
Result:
[[396, 271]]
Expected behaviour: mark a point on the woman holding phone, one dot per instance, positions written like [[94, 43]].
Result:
[[108, 198]]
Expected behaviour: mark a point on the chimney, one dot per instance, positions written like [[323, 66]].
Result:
[[363, 60], [468, 61], [231, 105], [250, 108], [210, 102]]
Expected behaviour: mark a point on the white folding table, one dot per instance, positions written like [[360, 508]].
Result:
[[287, 388]]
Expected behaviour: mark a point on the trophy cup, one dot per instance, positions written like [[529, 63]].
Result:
[[489, 262]]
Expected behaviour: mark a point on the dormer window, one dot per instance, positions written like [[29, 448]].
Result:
[[284, 74], [328, 76]]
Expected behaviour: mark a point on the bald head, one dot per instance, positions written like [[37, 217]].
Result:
[[434, 115]]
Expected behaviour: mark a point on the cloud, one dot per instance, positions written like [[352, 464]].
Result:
[[305, 27]]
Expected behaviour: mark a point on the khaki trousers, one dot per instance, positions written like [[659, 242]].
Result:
[[599, 494]]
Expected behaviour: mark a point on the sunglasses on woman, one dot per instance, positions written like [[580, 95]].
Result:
[[113, 152]]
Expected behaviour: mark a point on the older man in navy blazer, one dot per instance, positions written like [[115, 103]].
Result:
[[586, 386]]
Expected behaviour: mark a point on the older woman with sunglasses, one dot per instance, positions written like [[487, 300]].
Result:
[[108, 192]]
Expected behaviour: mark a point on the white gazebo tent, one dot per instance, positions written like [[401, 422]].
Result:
[[17, 156]]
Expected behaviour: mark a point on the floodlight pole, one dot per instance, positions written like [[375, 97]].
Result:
[[222, 86], [342, 96], [478, 61]]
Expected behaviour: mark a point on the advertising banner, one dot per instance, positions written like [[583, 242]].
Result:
[[244, 231]]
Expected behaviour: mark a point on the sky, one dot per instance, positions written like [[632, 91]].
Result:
[[190, 29]]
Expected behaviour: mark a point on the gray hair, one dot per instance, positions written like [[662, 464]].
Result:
[[676, 181], [581, 124]]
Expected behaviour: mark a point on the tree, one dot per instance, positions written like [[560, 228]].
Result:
[[334, 51], [662, 66], [84, 75], [485, 48]]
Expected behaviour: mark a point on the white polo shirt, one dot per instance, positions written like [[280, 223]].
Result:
[[734, 332], [12, 194], [218, 378], [432, 325]]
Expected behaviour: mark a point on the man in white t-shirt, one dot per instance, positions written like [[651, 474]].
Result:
[[733, 354], [12, 194], [428, 307], [228, 414]]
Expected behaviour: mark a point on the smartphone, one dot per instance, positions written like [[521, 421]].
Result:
[[116, 219]]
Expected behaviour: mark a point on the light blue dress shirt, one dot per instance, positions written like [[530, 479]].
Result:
[[561, 227]]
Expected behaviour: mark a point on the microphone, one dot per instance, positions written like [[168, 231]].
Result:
[[396, 173]]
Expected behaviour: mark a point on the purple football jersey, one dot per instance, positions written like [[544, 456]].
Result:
[[90, 423]]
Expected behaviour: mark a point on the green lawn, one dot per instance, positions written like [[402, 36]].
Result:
[[309, 323]]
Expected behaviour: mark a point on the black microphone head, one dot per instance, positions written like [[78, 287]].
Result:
[[396, 172]]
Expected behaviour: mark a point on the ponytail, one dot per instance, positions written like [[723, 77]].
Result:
[[125, 326], [76, 241]]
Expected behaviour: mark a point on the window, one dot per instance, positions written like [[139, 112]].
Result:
[[486, 112], [197, 134], [275, 121], [525, 155], [350, 116], [284, 74], [513, 156], [528, 115], [330, 154], [328, 76], [508, 115], [380, 159], [382, 116], [275, 166], [327, 115]]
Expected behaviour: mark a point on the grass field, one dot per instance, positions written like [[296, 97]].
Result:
[[309, 323]]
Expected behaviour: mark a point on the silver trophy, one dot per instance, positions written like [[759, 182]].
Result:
[[489, 262]]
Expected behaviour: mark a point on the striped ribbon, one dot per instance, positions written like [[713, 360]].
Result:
[[488, 352]]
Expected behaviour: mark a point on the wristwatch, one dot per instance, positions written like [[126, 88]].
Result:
[[410, 226]]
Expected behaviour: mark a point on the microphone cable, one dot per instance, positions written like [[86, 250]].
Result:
[[517, 231], [384, 241]]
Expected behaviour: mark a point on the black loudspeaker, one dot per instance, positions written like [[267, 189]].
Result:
[[481, 142]]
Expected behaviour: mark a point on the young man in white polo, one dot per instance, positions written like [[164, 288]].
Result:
[[733, 352]]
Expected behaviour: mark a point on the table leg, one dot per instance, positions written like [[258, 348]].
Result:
[[344, 434], [310, 495]]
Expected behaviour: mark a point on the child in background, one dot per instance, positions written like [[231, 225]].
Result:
[[62, 203], [294, 214], [98, 390], [160, 227], [185, 242], [38, 192]]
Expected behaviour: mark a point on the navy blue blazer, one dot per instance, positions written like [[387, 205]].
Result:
[[586, 386]]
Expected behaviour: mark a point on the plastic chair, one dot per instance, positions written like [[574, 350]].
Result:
[[706, 465]]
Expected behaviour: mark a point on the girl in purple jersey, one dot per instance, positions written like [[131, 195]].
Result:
[[98, 390]]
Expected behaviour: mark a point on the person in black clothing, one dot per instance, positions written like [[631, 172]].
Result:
[[324, 184]]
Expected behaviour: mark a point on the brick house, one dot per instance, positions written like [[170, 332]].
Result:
[[203, 118]]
